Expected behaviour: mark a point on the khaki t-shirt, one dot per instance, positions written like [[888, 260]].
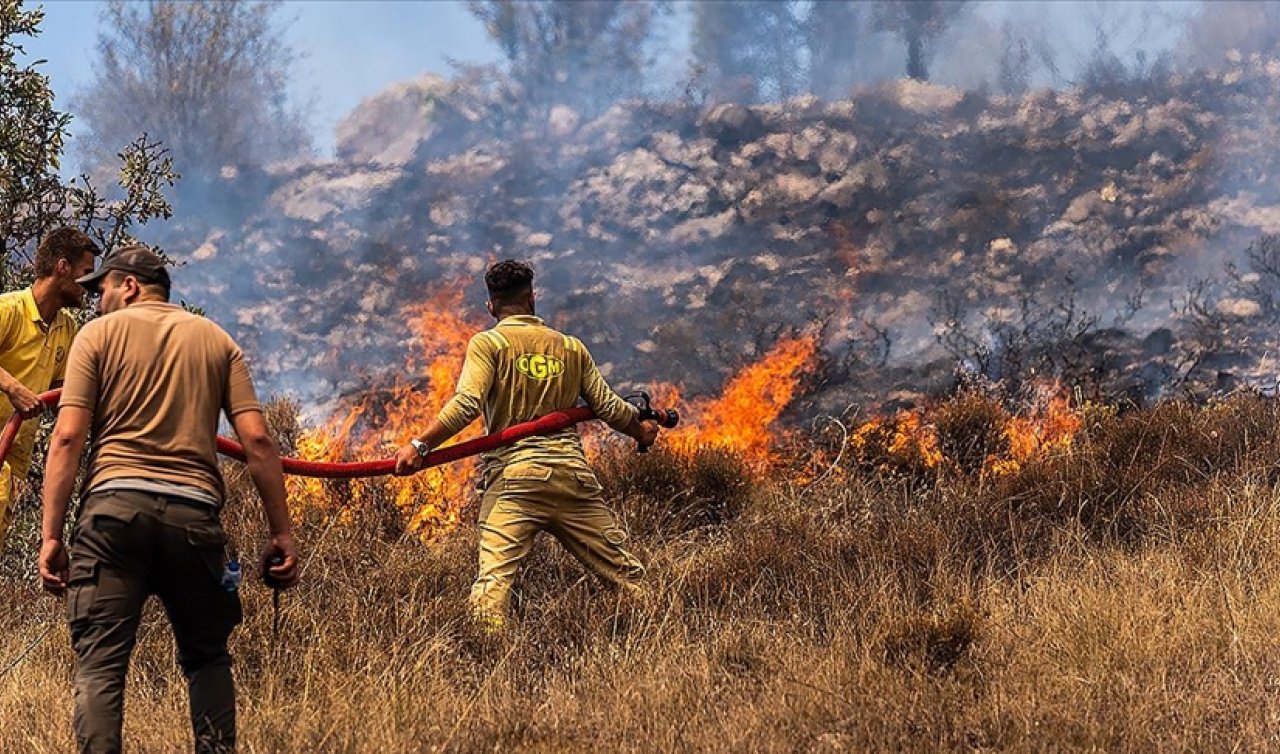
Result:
[[156, 377]]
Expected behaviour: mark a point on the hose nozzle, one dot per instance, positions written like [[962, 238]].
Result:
[[665, 417]]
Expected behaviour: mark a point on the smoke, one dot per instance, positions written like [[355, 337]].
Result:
[[681, 238]]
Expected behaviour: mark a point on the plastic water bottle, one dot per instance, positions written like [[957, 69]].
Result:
[[231, 575]]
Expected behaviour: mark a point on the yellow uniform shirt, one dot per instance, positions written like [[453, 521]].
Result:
[[35, 353], [521, 370]]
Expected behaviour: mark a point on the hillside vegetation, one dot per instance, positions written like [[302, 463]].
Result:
[[1117, 593]]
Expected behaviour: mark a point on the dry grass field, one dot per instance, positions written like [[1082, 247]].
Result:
[[1119, 593]]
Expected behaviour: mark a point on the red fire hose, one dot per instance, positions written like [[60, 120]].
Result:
[[544, 425]]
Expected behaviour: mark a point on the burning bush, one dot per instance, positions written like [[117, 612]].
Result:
[[899, 445], [971, 434], [1112, 481]]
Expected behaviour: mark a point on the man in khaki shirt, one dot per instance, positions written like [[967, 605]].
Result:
[[35, 336], [151, 380], [516, 372]]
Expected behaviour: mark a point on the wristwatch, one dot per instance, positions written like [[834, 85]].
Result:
[[420, 446]]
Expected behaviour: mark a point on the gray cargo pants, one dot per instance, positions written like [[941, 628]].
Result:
[[129, 545]]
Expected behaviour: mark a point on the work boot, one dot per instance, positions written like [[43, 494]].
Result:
[[488, 622]]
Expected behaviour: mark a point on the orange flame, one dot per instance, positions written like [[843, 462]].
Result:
[[909, 440], [740, 420], [1051, 425], [430, 500], [904, 441]]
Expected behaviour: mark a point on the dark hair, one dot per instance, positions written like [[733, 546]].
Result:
[[508, 281], [156, 289], [64, 243]]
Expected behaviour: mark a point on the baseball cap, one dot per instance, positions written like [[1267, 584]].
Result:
[[134, 259]]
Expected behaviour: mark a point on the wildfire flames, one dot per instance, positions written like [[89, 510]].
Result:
[[382, 421], [741, 419], [916, 440]]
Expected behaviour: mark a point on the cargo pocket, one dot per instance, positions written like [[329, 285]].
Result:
[[210, 545], [525, 477], [628, 566], [82, 589], [221, 608], [109, 513], [588, 482]]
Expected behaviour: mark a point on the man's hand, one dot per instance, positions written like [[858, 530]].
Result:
[[645, 432], [408, 461], [54, 566], [26, 403], [283, 572]]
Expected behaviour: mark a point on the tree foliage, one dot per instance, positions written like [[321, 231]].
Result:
[[832, 32], [749, 51], [34, 198], [32, 135], [207, 78], [585, 55]]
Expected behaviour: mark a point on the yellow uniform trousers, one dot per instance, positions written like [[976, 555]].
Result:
[[6, 500], [13, 469], [562, 499]]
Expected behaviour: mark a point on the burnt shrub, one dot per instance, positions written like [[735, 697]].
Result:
[[1124, 476], [661, 492], [970, 428], [720, 485]]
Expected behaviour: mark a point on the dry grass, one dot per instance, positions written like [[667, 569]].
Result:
[[1122, 597]]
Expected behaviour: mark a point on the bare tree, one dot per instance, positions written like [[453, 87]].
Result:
[[1204, 335], [1261, 281], [1014, 66], [206, 78], [832, 31], [1036, 338], [919, 23]]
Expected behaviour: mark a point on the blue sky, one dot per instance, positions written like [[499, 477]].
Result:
[[348, 50]]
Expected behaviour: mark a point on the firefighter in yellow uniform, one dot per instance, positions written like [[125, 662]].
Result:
[[35, 337], [518, 371]]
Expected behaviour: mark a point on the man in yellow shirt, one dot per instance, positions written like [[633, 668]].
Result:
[[515, 372], [35, 337]]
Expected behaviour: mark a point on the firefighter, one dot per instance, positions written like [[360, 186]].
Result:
[[151, 380], [517, 371], [35, 336]]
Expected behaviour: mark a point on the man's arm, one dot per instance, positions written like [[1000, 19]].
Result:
[[24, 399], [65, 447], [464, 407], [268, 477], [610, 407]]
